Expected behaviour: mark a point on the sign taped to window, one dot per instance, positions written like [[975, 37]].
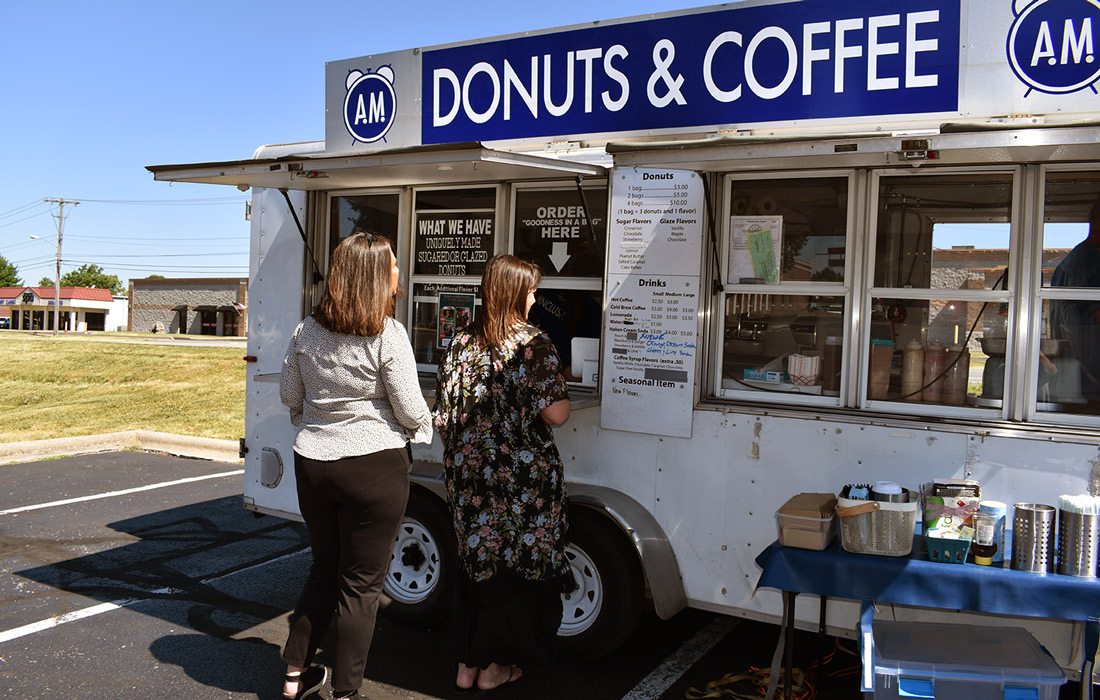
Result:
[[456, 311], [756, 249]]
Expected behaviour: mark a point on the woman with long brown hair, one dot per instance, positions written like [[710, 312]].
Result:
[[349, 379], [499, 392]]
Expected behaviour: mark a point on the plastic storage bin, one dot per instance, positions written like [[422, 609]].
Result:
[[804, 532], [807, 521], [962, 662]]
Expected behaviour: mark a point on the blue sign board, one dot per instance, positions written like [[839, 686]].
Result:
[[767, 63]]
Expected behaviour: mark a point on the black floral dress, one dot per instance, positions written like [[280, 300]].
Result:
[[505, 483]]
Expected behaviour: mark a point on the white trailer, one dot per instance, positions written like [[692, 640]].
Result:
[[710, 193]]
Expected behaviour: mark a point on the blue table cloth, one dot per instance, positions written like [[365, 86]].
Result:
[[915, 580]]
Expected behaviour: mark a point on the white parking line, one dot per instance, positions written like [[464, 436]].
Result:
[[665, 676], [112, 494], [75, 615]]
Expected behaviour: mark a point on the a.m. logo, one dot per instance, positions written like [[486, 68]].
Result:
[[1052, 44], [370, 105]]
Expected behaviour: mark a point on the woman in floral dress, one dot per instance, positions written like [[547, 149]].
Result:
[[500, 391]]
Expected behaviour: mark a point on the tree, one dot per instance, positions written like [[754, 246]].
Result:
[[45, 282], [155, 277], [89, 275], [9, 274]]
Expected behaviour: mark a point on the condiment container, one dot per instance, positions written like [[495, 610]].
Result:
[[912, 371], [882, 358], [935, 361], [984, 545], [999, 511], [830, 371], [957, 377]]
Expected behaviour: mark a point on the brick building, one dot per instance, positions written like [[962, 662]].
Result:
[[198, 306]]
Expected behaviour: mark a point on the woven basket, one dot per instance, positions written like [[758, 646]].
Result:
[[877, 527]]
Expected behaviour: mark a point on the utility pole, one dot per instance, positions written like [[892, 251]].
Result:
[[60, 202]]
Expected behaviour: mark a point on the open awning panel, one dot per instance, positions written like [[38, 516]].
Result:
[[426, 165]]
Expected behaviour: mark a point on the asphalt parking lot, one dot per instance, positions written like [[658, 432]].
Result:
[[131, 575]]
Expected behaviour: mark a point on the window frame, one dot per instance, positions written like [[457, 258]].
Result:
[[1039, 293], [841, 289], [499, 215], [921, 294], [589, 284]]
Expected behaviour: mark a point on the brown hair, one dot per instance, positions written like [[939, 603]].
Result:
[[358, 297], [504, 288]]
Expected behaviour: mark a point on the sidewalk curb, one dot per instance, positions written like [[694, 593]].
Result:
[[147, 440]]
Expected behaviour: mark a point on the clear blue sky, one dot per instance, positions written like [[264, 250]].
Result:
[[91, 93]]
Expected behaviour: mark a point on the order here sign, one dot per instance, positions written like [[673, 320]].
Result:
[[752, 64]]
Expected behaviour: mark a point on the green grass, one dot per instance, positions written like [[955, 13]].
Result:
[[63, 387]]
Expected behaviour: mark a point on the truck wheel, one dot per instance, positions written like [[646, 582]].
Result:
[[419, 586], [601, 614]]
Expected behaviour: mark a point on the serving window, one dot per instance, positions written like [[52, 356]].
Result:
[[941, 290], [785, 263], [564, 232], [1068, 356]]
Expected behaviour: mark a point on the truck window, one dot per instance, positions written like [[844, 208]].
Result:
[[454, 235], [785, 261], [941, 257], [553, 227], [1068, 372], [377, 213]]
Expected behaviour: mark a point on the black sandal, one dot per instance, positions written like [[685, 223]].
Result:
[[309, 681]]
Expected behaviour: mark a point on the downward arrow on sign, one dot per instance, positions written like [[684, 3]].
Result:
[[559, 255]]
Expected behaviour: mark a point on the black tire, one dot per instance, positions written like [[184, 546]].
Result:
[[602, 613], [419, 587]]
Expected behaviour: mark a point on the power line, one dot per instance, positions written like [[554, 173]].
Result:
[[125, 266], [32, 216], [167, 255], [170, 202], [33, 261], [156, 239], [23, 208]]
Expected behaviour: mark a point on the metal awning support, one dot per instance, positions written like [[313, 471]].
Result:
[[422, 165]]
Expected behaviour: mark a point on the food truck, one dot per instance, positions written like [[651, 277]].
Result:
[[787, 246]]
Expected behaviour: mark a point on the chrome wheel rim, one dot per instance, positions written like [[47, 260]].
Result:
[[581, 608], [414, 564]]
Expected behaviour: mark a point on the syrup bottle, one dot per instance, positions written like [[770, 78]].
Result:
[[984, 546]]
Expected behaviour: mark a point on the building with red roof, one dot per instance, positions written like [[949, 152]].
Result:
[[82, 309]]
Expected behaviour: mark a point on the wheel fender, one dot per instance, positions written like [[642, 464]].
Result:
[[429, 476], [662, 572]]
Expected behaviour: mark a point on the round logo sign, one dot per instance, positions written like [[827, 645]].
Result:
[[1051, 45], [370, 105]]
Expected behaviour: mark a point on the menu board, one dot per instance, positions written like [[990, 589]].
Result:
[[453, 243], [652, 301]]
